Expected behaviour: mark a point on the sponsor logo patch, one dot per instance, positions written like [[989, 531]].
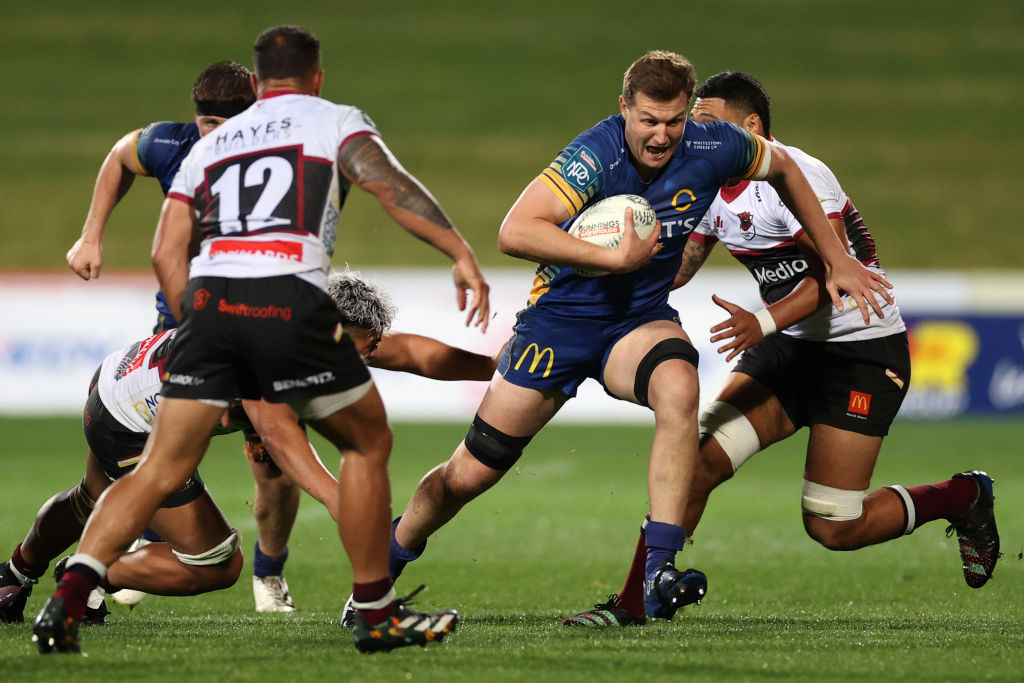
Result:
[[582, 169], [247, 311], [860, 403], [200, 299], [301, 382], [289, 251], [538, 355]]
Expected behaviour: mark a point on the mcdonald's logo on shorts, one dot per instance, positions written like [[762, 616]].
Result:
[[859, 403], [538, 355]]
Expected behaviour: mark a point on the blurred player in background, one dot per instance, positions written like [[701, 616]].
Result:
[[116, 431], [264, 192], [220, 91], [619, 328], [827, 370]]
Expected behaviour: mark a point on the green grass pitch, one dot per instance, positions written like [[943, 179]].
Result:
[[551, 539]]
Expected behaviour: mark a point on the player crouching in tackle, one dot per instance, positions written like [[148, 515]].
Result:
[[116, 433], [265, 193], [841, 376]]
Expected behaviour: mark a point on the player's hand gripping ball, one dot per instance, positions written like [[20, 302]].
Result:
[[603, 223]]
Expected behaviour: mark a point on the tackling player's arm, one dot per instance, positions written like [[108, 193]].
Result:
[[694, 255], [367, 162], [431, 358], [744, 329], [842, 271], [530, 231], [113, 181], [174, 233]]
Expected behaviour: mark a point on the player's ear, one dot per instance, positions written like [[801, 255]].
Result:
[[318, 82], [255, 84], [753, 124], [622, 105]]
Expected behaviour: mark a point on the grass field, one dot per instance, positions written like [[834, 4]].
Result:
[[913, 105], [555, 537]]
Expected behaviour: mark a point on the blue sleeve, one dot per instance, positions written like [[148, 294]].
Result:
[[732, 151], [160, 148]]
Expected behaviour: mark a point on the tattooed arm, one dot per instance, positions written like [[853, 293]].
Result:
[[694, 255], [368, 163]]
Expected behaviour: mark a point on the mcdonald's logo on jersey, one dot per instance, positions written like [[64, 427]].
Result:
[[538, 355], [860, 403]]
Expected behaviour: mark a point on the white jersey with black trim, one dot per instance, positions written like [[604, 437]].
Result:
[[266, 189], [130, 379], [759, 231]]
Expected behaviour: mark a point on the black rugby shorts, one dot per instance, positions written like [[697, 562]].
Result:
[[857, 386], [118, 449], [278, 338]]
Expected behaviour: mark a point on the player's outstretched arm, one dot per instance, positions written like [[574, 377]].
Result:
[[742, 329], [174, 234], [113, 181], [530, 231], [431, 358], [694, 255], [843, 272], [367, 162]]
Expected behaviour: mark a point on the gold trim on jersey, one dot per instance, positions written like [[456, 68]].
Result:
[[542, 283], [571, 199], [758, 168], [135, 155]]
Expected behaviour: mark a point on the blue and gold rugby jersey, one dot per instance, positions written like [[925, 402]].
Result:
[[160, 148], [597, 165]]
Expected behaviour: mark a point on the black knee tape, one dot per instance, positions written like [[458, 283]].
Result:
[[493, 447], [667, 349]]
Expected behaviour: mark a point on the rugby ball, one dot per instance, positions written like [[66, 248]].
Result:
[[603, 223]]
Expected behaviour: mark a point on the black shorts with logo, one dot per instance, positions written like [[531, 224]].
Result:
[[278, 338], [857, 386], [118, 448]]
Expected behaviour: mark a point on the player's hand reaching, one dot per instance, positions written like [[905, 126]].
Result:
[[86, 258], [860, 283], [467, 276], [742, 327], [634, 252]]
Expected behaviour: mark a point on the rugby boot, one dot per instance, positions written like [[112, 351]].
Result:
[[54, 629], [271, 594], [13, 594], [669, 589], [403, 628], [348, 612], [976, 532], [606, 615], [95, 607]]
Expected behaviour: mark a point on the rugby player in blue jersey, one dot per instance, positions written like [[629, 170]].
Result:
[[220, 91], [826, 370], [619, 328]]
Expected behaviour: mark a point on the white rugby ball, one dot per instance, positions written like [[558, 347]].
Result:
[[603, 223]]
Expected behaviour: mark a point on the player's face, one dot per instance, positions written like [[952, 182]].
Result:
[[208, 123], [653, 129], [366, 341]]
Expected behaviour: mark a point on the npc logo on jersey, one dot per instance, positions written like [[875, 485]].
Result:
[[860, 403], [746, 225], [582, 169]]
